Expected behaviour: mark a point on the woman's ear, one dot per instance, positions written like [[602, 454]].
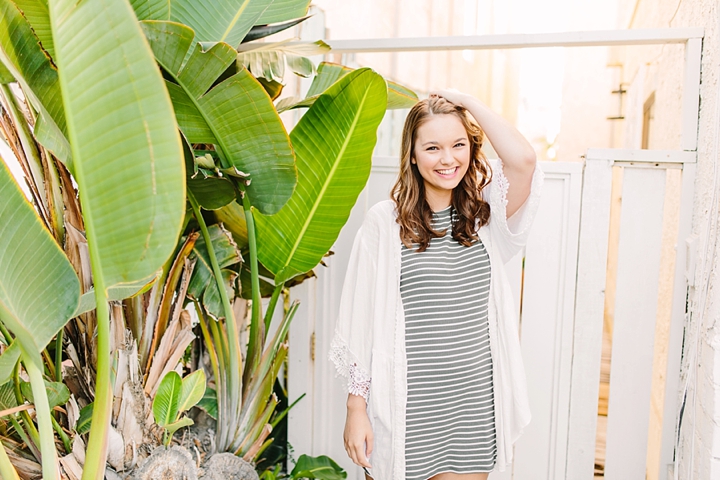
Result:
[[412, 160]]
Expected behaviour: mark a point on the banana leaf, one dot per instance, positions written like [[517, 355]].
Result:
[[329, 73], [334, 160], [226, 21], [26, 246], [25, 58], [128, 163], [236, 115]]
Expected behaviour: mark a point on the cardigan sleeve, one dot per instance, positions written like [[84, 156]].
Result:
[[351, 346], [511, 234]]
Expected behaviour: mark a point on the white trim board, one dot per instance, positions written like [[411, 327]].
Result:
[[592, 38]]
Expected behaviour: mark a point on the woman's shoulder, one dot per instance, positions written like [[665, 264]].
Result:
[[382, 211]]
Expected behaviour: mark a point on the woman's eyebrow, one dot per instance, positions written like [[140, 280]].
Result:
[[435, 142]]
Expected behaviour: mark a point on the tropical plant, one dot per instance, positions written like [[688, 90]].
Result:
[[160, 176], [322, 468], [175, 396]]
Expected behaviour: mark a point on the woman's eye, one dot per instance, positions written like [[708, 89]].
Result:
[[432, 148], [460, 144]]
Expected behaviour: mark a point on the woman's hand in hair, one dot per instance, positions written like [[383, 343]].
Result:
[[358, 435], [451, 95]]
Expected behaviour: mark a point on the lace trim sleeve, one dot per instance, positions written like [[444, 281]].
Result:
[[520, 220], [348, 367]]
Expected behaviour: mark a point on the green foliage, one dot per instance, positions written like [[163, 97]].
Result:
[[208, 402], [57, 393], [175, 396], [85, 419], [236, 115], [321, 467], [23, 236], [226, 21], [334, 160], [268, 60], [202, 283], [328, 73], [33, 69], [8, 359]]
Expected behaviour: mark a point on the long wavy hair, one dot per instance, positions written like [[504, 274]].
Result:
[[414, 213]]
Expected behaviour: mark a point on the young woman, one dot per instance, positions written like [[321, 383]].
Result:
[[427, 330]]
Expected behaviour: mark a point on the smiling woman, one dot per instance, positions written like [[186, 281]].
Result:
[[423, 388]]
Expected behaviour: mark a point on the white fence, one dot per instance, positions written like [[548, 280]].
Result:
[[561, 325]]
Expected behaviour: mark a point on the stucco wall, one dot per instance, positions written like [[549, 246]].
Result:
[[699, 440]]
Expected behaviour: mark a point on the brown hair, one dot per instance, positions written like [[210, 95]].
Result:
[[414, 213]]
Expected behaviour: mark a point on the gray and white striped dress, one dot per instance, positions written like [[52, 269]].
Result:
[[450, 419]]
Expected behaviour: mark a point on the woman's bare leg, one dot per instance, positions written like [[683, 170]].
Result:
[[460, 476]]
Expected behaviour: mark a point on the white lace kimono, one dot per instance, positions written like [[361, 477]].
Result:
[[369, 340]]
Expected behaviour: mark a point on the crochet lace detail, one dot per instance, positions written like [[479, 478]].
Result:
[[498, 203], [348, 367]]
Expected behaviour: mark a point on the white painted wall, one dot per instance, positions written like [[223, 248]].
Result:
[[698, 450]]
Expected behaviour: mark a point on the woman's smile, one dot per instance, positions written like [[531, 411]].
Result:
[[448, 172]]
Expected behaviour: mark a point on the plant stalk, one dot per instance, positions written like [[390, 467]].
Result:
[[58, 355], [235, 360], [255, 341], [42, 410], [271, 309], [61, 433], [27, 421], [96, 455]]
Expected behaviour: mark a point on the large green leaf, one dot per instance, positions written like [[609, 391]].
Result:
[[193, 389], [37, 14], [321, 467], [57, 393], [38, 287], [236, 114], [281, 10], [22, 54], [329, 73], [167, 398], [8, 359], [7, 396], [126, 148], [219, 21], [334, 159], [268, 60], [209, 402]]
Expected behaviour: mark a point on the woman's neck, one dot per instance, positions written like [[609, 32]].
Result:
[[438, 202]]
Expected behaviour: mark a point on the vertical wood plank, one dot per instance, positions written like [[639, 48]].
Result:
[[677, 321], [691, 94], [588, 319], [300, 369], [548, 298], [634, 325]]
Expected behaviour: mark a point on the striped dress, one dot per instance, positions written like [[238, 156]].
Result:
[[450, 419]]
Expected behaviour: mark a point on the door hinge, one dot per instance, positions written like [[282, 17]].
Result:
[[312, 347]]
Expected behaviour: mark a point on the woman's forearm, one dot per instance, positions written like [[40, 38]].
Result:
[[511, 146]]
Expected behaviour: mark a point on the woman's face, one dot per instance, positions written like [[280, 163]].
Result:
[[442, 155]]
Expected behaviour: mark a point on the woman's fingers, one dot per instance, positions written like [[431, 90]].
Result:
[[370, 442], [356, 452]]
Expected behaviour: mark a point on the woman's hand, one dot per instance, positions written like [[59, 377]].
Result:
[[358, 435], [451, 95]]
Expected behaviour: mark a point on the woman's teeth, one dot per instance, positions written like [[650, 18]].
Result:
[[449, 171]]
